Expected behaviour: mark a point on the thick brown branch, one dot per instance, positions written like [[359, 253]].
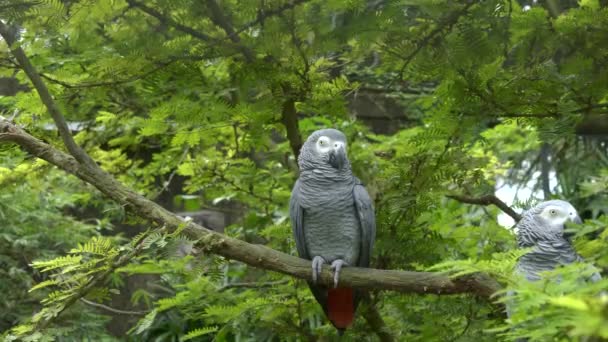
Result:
[[253, 255], [289, 118], [487, 200], [10, 37]]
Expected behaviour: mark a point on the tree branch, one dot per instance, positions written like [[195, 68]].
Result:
[[251, 254], [20, 5], [10, 37], [545, 169], [375, 321], [133, 78], [263, 15], [487, 200], [218, 18], [450, 21], [112, 310], [289, 118], [254, 285], [168, 21]]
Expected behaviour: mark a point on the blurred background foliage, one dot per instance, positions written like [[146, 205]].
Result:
[[203, 105]]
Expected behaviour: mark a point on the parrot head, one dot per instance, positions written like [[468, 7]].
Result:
[[325, 147], [553, 215]]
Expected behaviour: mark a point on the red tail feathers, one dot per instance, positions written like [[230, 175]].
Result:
[[341, 306]]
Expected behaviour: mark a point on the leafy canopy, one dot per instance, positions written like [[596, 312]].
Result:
[[203, 106]]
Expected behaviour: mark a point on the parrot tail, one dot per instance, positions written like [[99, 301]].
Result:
[[341, 307]]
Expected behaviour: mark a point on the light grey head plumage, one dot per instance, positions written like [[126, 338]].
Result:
[[326, 150], [545, 221]]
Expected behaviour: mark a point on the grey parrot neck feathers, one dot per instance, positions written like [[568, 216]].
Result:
[[529, 233]]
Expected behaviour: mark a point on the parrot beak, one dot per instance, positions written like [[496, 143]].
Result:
[[576, 219], [337, 157]]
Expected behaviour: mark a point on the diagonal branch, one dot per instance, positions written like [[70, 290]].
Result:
[[251, 254], [113, 310], [218, 18], [130, 79], [10, 37], [168, 21], [447, 24], [263, 15], [487, 200]]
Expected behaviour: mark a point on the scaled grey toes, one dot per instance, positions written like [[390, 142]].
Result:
[[317, 264], [336, 266]]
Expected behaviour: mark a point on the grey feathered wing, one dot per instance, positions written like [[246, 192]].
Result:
[[296, 213], [367, 220], [367, 223]]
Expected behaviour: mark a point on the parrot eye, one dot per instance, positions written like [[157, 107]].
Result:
[[552, 212], [323, 141]]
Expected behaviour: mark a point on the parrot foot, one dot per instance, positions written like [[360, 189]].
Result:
[[336, 266], [317, 264]]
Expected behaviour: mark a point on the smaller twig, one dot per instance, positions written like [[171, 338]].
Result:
[[21, 5], [487, 200], [235, 129], [168, 181], [111, 309], [449, 22], [263, 15], [253, 285], [91, 284], [545, 169], [221, 20], [133, 78], [168, 21]]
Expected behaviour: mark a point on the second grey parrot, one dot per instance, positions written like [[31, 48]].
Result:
[[542, 228], [333, 220]]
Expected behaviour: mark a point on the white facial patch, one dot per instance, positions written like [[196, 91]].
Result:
[[557, 215], [326, 144], [323, 144]]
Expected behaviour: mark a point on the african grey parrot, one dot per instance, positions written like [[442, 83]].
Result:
[[542, 229], [333, 220]]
